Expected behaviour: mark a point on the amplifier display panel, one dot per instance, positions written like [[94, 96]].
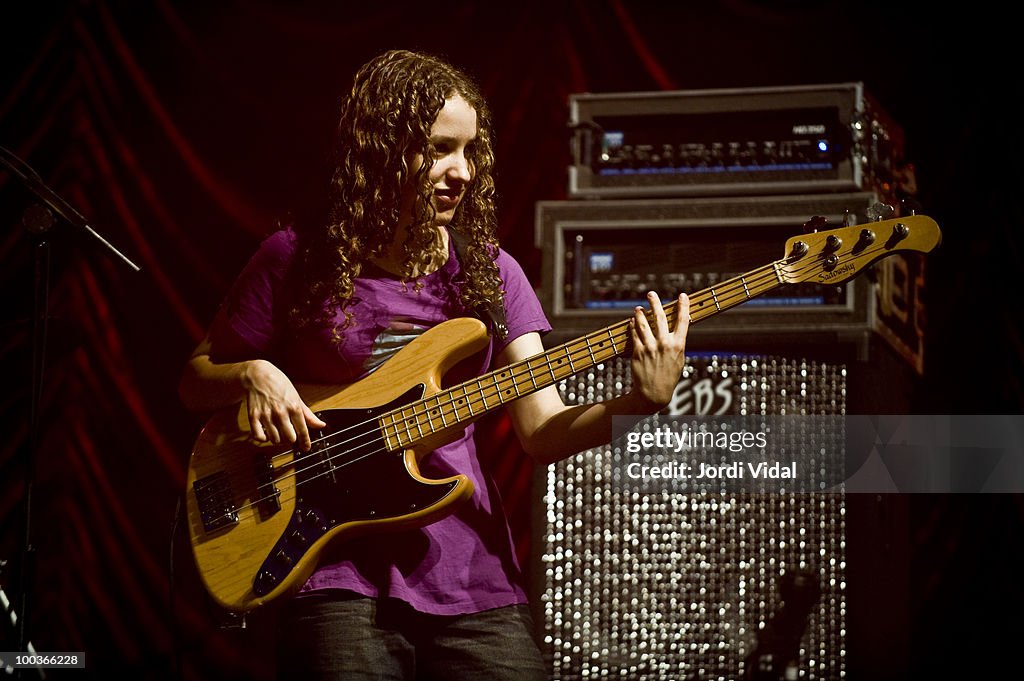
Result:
[[802, 141], [604, 273]]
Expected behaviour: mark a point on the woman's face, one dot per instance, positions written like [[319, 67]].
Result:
[[451, 171]]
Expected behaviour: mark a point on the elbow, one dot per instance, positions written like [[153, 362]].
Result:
[[188, 391], [542, 453], [184, 391], [540, 457], [545, 427], [546, 436], [546, 458]]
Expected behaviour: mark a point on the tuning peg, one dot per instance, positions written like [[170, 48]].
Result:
[[880, 211], [849, 219], [814, 224]]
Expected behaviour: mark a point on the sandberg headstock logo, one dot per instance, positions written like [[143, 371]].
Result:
[[848, 268]]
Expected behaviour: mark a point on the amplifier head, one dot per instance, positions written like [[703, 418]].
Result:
[[601, 257], [796, 139]]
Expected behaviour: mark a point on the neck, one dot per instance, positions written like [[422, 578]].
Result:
[[394, 261]]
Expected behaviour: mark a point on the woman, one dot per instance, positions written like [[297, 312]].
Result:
[[330, 304]]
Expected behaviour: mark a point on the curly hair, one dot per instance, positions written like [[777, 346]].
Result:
[[385, 120]]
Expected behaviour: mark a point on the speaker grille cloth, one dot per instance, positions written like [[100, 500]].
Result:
[[667, 585]]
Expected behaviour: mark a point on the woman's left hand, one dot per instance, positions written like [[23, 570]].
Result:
[[658, 353]]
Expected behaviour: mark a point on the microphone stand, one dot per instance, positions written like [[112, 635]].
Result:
[[778, 647], [38, 218]]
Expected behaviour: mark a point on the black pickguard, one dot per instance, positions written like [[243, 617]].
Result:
[[348, 476]]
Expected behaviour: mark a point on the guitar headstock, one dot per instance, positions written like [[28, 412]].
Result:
[[835, 255]]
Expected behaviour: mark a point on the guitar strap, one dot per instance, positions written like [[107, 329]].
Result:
[[493, 315]]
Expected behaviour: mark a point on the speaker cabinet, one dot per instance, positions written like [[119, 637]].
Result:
[[635, 584]]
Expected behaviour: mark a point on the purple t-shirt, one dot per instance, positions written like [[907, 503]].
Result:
[[463, 563]]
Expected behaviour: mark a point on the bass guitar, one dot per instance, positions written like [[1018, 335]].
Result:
[[260, 515]]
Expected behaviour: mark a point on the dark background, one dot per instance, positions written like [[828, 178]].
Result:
[[184, 131]]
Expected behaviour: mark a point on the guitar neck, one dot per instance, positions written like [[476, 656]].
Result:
[[468, 401]]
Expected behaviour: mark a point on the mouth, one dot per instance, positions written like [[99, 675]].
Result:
[[447, 197]]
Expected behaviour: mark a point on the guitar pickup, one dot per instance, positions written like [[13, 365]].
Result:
[[268, 497], [322, 451], [215, 501]]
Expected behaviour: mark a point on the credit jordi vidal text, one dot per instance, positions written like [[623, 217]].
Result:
[[734, 453], [875, 454]]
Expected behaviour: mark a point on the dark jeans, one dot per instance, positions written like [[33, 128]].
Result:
[[337, 635]]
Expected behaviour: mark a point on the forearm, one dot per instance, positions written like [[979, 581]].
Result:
[[549, 430], [274, 408], [206, 385], [576, 428]]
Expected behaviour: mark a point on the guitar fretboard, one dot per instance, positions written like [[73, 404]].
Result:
[[457, 406]]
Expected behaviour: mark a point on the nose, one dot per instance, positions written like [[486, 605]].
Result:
[[460, 168]]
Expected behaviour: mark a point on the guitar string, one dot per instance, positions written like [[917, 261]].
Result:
[[727, 296], [724, 299], [754, 279], [576, 349]]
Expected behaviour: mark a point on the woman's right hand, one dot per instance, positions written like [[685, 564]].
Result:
[[276, 412]]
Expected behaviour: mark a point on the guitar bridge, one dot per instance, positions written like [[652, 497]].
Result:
[[215, 501]]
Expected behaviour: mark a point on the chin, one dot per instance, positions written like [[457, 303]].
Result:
[[444, 218]]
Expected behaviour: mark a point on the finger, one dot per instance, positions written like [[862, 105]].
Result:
[[682, 315], [272, 433], [311, 418], [256, 428], [641, 329], [303, 420], [660, 322], [287, 428], [302, 439]]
